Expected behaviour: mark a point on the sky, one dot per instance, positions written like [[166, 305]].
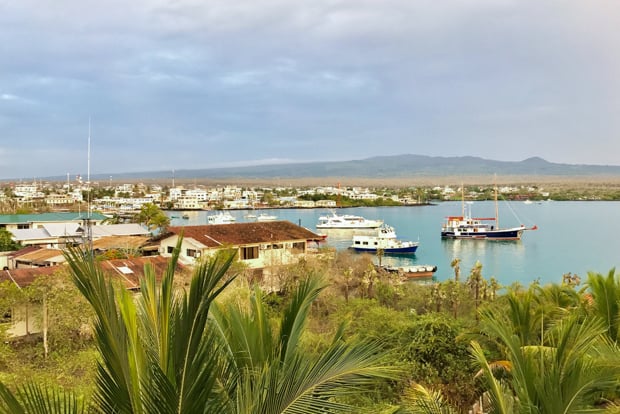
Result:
[[190, 84]]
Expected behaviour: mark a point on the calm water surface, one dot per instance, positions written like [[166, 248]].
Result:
[[575, 237]]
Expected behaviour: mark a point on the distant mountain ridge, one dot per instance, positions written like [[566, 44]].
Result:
[[396, 166]]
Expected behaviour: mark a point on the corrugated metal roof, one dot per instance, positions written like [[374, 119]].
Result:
[[127, 270], [236, 234], [43, 255], [48, 217], [128, 229], [120, 242], [30, 234], [63, 229]]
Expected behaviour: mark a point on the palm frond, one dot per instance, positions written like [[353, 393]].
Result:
[[37, 399], [422, 400]]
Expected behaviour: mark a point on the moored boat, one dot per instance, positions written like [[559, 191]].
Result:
[[347, 221], [221, 218], [385, 240], [413, 272], [266, 217], [467, 227]]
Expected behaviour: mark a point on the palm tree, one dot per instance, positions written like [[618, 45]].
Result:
[[605, 294], [565, 372], [475, 281], [166, 351], [152, 217], [275, 375]]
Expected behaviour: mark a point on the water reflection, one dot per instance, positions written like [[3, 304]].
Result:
[[343, 238], [488, 252]]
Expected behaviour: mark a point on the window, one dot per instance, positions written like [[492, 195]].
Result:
[[299, 247], [23, 226], [170, 249], [248, 253], [191, 253]]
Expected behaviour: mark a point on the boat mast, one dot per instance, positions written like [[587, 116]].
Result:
[[462, 200], [338, 201], [89, 224], [496, 208]]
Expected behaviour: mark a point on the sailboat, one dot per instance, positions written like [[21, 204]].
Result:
[[467, 227]]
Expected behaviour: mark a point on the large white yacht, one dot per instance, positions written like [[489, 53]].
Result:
[[221, 218], [347, 221]]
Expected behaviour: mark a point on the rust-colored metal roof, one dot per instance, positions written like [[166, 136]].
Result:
[[236, 234], [120, 242], [42, 255], [24, 250], [24, 277], [129, 271]]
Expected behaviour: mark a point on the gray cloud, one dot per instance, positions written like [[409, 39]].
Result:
[[188, 83]]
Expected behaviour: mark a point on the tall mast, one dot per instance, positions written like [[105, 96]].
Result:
[[496, 207], [88, 158], [462, 200], [89, 224], [338, 201]]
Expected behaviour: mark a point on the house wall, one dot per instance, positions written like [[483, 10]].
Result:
[[269, 254], [25, 319], [4, 259], [168, 244]]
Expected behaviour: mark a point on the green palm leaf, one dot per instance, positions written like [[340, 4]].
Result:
[[276, 374]]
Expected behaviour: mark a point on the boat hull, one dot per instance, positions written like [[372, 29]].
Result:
[[388, 250], [347, 221], [500, 234], [415, 272]]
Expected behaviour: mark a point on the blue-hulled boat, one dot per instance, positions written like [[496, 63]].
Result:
[[385, 240]]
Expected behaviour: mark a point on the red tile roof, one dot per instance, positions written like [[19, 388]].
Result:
[[236, 234]]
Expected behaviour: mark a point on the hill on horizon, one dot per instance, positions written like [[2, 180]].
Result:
[[397, 166]]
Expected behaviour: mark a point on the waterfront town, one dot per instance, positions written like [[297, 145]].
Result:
[[128, 198], [124, 228]]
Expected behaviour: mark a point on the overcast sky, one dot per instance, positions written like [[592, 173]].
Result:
[[183, 84]]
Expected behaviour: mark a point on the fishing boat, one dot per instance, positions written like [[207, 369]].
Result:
[[385, 240], [347, 221], [413, 272], [486, 228], [221, 218], [266, 217]]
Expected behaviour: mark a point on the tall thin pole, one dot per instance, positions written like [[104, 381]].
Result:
[[496, 207], [462, 200], [89, 228], [88, 166]]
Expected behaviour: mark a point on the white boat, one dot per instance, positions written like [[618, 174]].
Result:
[[221, 218], [347, 221], [413, 272], [266, 217], [467, 227], [384, 240]]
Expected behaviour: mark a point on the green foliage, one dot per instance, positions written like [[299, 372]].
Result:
[[566, 371], [6, 241], [440, 358], [152, 217], [170, 352], [605, 293]]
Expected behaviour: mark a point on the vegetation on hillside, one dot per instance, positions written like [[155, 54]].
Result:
[[218, 343]]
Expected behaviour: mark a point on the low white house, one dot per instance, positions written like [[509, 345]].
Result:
[[259, 245]]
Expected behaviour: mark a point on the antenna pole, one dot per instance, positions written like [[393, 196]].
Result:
[[89, 224], [496, 206]]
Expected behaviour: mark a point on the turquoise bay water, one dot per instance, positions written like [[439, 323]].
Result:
[[575, 237]]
